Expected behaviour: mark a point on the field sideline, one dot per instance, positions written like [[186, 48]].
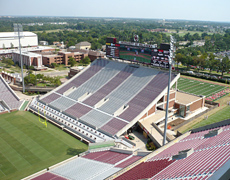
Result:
[[26, 146]]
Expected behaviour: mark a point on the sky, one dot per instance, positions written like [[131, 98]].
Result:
[[204, 10]]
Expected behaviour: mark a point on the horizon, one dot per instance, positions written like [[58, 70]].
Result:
[[189, 10], [99, 17]]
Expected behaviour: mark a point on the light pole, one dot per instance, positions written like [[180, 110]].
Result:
[[19, 31], [169, 81]]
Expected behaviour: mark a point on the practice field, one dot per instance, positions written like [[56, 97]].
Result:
[[217, 117], [198, 87], [27, 146]]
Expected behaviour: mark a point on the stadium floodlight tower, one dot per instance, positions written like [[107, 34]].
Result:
[[171, 51], [19, 33]]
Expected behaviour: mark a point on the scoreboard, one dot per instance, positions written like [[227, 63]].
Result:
[[138, 52], [160, 58], [112, 51]]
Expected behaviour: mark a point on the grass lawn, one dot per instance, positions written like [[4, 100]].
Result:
[[198, 87], [24, 105], [61, 68], [11, 69], [27, 146], [218, 116]]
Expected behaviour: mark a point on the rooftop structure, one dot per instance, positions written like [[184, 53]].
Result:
[[8, 52], [9, 40], [83, 45]]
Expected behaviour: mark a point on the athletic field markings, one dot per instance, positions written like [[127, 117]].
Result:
[[198, 87], [15, 155], [30, 143], [49, 132]]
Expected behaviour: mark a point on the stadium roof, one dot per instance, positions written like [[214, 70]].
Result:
[[4, 35]]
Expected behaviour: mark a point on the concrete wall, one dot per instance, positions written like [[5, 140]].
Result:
[[196, 105]]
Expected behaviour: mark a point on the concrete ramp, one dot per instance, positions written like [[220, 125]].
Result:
[[155, 134]]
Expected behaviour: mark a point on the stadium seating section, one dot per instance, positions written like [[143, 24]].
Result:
[[49, 176], [210, 153], [105, 97], [8, 99], [208, 156], [95, 165]]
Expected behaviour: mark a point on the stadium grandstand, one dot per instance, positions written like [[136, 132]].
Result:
[[104, 100], [202, 153], [9, 101]]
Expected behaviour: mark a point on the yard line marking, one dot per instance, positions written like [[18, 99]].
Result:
[[19, 155], [30, 140], [9, 161]]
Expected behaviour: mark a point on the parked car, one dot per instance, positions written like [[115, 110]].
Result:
[[214, 77], [190, 72]]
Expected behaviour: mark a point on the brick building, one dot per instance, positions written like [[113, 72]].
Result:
[[61, 58], [28, 59], [90, 53]]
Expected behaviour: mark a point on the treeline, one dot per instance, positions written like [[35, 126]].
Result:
[[97, 36], [6, 23], [204, 61]]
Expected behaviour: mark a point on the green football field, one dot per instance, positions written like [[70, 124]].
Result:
[[198, 87], [27, 146], [218, 116]]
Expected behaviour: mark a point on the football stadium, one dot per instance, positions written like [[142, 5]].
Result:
[[105, 106]]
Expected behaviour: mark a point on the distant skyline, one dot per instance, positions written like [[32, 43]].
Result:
[[202, 10]]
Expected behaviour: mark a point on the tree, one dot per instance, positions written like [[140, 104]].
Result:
[[72, 62], [30, 79], [29, 72], [56, 81], [179, 58], [9, 62], [212, 62], [54, 65], [31, 67], [224, 65], [187, 61], [40, 76], [11, 45], [86, 60], [71, 43]]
